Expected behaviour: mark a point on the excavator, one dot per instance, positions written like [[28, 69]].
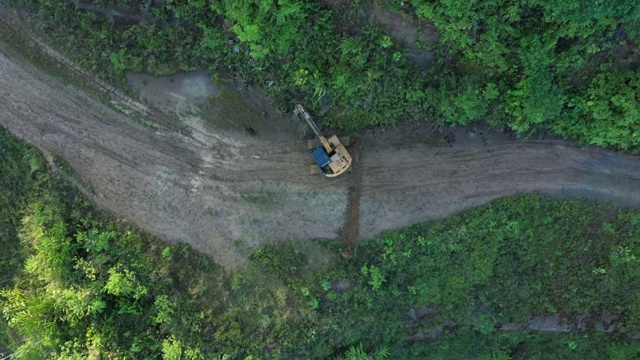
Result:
[[330, 155]]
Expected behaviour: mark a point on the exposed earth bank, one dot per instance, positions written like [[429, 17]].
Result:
[[215, 167]]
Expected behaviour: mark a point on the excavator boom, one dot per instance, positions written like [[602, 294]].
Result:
[[307, 119]]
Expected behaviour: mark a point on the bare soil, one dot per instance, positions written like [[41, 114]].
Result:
[[181, 162]]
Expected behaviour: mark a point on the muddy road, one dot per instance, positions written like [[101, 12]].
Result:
[[215, 167]]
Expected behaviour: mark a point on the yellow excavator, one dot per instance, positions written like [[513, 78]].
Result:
[[330, 155]]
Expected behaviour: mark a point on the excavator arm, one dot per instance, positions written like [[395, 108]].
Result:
[[300, 111]]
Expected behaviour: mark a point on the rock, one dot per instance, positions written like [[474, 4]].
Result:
[[412, 314], [340, 286], [551, 323], [607, 323], [428, 310], [510, 327], [582, 322]]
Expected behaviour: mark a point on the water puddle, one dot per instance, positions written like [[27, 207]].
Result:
[[221, 109], [183, 93]]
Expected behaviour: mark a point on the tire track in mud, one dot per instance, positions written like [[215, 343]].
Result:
[[351, 228], [408, 187], [167, 128], [91, 80]]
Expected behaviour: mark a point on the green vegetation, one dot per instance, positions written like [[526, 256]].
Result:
[[23, 176], [77, 284], [501, 263], [532, 66], [540, 64]]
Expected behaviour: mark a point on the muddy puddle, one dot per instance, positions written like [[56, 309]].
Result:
[[180, 93], [216, 107]]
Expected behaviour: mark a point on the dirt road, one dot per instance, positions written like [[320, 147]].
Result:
[[233, 175]]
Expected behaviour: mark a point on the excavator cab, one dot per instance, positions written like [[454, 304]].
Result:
[[321, 157], [330, 155]]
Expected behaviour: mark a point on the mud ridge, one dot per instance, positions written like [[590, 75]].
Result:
[[352, 214]]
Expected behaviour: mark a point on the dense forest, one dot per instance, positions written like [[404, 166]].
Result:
[[564, 67], [76, 284]]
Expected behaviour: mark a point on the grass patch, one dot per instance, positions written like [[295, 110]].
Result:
[[500, 263], [262, 198]]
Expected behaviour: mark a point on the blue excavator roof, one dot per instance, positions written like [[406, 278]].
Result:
[[320, 156]]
